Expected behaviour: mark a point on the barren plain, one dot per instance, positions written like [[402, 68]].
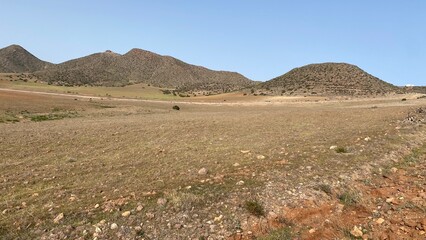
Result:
[[82, 164]]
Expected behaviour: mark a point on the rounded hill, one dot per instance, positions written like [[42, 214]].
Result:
[[327, 79]]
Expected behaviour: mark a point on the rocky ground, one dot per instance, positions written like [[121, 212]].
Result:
[[81, 178]]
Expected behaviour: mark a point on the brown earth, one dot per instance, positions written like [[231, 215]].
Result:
[[75, 167]]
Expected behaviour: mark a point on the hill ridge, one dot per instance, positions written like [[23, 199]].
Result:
[[16, 59], [329, 78]]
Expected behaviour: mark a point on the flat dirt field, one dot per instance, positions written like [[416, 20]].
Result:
[[224, 167]]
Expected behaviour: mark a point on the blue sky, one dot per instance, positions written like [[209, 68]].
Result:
[[259, 39]]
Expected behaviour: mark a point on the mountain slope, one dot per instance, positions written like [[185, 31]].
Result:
[[15, 59], [327, 79], [140, 66]]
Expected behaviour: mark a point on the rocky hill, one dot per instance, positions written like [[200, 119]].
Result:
[[15, 59], [140, 66], [419, 89], [112, 69], [326, 79]]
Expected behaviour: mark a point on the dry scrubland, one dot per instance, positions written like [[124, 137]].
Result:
[[128, 169]]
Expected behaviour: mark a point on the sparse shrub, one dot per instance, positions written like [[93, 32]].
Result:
[[39, 118], [348, 198], [254, 208], [176, 107], [404, 99], [325, 188], [166, 91], [341, 150]]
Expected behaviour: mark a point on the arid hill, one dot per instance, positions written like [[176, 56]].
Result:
[[326, 79], [140, 66], [419, 89], [15, 59], [112, 69]]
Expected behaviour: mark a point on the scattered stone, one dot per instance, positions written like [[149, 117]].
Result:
[[5, 211], [202, 171], [97, 205], [125, 214], [260, 157], [114, 226], [244, 151], [236, 165], [333, 147], [240, 183], [161, 201], [178, 226], [367, 139], [150, 215], [394, 169], [390, 200], [58, 218], [98, 230], [218, 219], [357, 232], [312, 230], [339, 208], [410, 223], [139, 208], [380, 221]]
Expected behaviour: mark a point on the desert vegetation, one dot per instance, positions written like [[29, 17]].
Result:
[[82, 167]]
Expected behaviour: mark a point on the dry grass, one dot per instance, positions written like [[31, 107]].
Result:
[[132, 148]]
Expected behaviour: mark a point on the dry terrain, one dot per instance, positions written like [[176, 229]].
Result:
[[339, 79], [110, 69], [81, 165]]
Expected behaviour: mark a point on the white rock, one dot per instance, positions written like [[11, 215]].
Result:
[[244, 151], [333, 147], [125, 214], [240, 183], [218, 219], [260, 157], [114, 226], [367, 139], [58, 218], [161, 201], [380, 220], [202, 171], [139, 208], [357, 232], [236, 165]]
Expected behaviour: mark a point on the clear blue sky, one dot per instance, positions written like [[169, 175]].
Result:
[[260, 39]]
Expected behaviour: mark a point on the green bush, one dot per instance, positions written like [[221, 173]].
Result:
[[254, 208], [341, 150]]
